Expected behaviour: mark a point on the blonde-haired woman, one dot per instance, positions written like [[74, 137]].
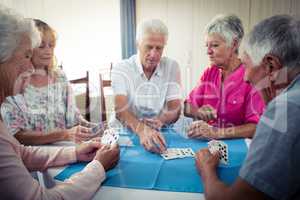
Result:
[[46, 111]]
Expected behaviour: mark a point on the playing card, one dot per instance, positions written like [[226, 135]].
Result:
[[109, 137], [125, 141], [97, 128], [215, 145], [174, 153], [181, 126]]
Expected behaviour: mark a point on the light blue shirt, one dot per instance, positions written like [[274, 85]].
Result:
[[273, 162]]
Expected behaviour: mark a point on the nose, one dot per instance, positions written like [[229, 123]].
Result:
[[153, 52], [209, 51]]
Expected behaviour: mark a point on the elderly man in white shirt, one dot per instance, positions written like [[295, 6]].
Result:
[[147, 87]]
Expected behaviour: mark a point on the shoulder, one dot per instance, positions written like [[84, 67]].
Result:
[[126, 64]]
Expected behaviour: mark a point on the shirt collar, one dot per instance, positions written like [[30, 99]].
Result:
[[157, 72]]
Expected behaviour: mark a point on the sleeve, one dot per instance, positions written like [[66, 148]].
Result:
[[120, 80], [174, 84], [13, 117], [73, 115], [254, 106], [196, 95], [17, 183], [270, 166]]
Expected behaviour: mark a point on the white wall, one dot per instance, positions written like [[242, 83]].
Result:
[[88, 30], [186, 20]]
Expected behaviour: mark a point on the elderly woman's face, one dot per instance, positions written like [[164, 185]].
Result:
[[20, 61], [218, 51], [43, 55], [151, 49]]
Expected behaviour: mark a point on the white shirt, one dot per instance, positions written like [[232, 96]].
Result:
[[146, 98]]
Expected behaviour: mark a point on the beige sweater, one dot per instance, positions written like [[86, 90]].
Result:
[[17, 160]]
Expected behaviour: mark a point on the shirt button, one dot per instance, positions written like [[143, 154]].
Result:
[[234, 102]]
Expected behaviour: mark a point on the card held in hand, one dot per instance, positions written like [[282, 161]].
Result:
[[222, 148], [110, 137]]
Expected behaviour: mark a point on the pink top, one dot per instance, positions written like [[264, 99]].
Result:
[[236, 101], [17, 160]]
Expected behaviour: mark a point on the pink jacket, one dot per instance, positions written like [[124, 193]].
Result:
[[17, 160]]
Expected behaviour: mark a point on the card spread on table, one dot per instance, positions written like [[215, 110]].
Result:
[[110, 136], [216, 145], [174, 153]]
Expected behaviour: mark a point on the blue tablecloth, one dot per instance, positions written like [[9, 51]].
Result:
[[144, 170]]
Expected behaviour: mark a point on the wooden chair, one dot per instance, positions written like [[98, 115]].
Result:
[[85, 80], [104, 84]]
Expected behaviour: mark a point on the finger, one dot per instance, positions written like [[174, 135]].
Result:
[[85, 129], [159, 145]]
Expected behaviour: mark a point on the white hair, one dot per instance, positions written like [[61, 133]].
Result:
[[229, 27], [151, 26], [278, 35], [12, 28]]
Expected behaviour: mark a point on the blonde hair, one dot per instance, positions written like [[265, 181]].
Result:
[[44, 29]]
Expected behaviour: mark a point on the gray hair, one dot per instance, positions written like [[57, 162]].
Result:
[[230, 27], [278, 35], [12, 28], [151, 26]]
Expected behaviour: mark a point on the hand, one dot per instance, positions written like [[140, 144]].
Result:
[[79, 134], [108, 156], [22, 82], [206, 162], [154, 123], [86, 151], [152, 140], [202, 130], [206, 113]]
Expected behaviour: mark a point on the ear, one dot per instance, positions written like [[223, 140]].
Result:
[[235, 45], [272, 65]]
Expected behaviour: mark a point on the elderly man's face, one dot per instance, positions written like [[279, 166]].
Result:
[[256, 75], [151, 48]]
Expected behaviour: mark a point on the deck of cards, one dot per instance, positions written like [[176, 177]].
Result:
[[110, 137], [221, 147], [175, 153]]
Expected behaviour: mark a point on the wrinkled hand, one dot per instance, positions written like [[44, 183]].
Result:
[[86, 151], [154, 123], [108, 156], [206, 113], [202, 130], [152, 140], [79, 134], [206, 162]]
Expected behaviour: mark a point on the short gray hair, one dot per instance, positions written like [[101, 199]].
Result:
[[151, 26], [230, 27], [278, 35], [12, 27]]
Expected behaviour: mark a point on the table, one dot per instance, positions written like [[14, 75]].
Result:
[[107, 192]]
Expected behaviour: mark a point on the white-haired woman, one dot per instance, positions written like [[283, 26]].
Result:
[[46, 111], [224, 105], [17, 37]]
